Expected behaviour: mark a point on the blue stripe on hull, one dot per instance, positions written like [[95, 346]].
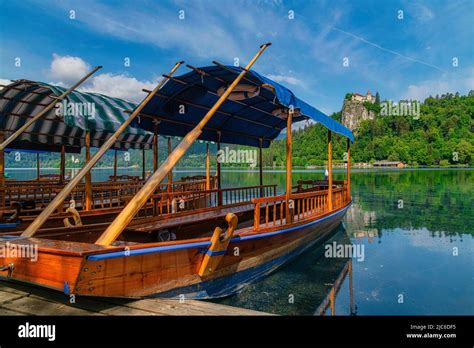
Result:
[[229, 285], [9, 225], [206, 245]]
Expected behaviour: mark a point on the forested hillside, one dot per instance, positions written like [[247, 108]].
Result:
[[442, 135]]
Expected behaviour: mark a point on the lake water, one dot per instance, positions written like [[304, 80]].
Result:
[[416, 228]]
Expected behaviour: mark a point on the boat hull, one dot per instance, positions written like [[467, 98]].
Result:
[[236, 282], [171, 269], [172, 273]]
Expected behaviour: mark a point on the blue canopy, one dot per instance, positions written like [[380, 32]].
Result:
[[256, 110]]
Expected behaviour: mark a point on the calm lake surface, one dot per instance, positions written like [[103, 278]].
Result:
[[416, 228]]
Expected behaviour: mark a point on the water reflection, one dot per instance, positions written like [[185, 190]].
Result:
[[417, 229], [303, 286], [330, 301], [361, 224]]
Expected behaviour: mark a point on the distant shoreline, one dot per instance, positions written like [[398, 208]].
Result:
[[266, 169]]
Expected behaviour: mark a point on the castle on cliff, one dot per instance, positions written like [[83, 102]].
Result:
[[363, 98], [354, 111]]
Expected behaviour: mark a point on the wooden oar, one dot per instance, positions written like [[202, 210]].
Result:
[[132, 208], [218, 248], [58, 200], [43, 112]]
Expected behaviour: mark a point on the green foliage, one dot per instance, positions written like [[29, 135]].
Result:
[[444, 163], [375, 107], [443, 132]]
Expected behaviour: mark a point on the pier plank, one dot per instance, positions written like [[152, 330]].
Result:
[[20, 290], [34, 306], [22, 299], [5, 312], [85, 303], [8, 296], [125, 310]]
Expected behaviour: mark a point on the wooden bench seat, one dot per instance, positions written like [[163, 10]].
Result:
[[176, 221]]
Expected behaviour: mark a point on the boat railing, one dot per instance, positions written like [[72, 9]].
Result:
[[174, 202], [107, 194], [35, 195], [124, 177], [195, 180], [272, 211], [110, 195], [310, 185]]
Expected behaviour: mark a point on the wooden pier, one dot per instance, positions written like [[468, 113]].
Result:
[[20, 299]]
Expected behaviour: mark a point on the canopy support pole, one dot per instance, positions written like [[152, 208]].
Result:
[[260, 155], [43, 112], [289, 143], [115, 164], [2, 172], [155, 162], [219, 186], [143, 164], [208, 167], [62, 165], [329, 170], [38, 167], [155, 148], [88, 186], [132, 208], [170, 173], [58, 200], [348, 169]]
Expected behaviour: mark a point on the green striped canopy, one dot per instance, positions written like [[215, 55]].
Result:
[[68, 123]]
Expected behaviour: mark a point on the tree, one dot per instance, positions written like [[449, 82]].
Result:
[[393, 157], [377, 98], [444, 163], [465, 152]]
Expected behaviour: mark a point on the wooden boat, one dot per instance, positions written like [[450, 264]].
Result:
[[209, 252], [108, 202], [34, 119], [22, 200]]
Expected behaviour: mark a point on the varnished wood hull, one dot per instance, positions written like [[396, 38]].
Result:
[[167, 269], [235, 282]]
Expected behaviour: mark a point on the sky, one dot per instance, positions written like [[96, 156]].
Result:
[[321, 50]]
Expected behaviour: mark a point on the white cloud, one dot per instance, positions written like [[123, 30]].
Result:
[[426, 88], [68, 69], [119, 86], [420, 12], [286, 79], [4, 82], [440, 86], [198, 31]]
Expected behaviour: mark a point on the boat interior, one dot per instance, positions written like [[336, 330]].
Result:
[[202, 213], [145, 210]]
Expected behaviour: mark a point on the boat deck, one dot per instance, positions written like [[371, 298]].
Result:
[[21, 299]]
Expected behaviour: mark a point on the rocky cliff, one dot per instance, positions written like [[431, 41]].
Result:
[[353, 112]]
